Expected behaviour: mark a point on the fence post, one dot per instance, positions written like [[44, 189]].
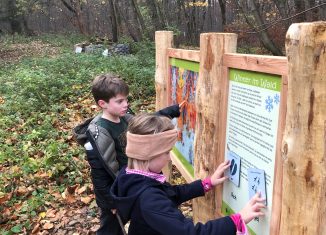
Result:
[[163, 41], [210, 101], [304, 140]]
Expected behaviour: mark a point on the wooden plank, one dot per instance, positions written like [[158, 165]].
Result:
[[266, 64], [184, 172], [192, 55], [278, 170]]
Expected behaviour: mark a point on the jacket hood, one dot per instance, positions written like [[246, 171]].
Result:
[[79, 132], [126, 189]]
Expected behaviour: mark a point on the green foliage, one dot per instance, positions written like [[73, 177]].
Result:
[[175, 29], [63, 41], [36, 96]]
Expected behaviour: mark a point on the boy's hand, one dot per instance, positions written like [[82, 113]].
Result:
[[253, 208], [218, 176]]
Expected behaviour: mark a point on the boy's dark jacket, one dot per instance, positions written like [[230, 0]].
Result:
[[152, 207], [103, 157]]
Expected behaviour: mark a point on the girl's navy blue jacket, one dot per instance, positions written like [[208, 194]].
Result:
[[152, 207]]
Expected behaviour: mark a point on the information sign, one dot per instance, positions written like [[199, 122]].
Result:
[[251, 134]]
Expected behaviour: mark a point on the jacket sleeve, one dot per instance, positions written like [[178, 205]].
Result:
[[102, 181], [170, 112], [186, 192], [161, 215]]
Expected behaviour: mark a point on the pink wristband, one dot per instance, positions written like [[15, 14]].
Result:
[[207, 184], [239, 223]]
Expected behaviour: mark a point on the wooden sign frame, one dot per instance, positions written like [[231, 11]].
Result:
[[271, 65], [189, 56]]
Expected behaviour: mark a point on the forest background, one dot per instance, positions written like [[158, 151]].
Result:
[[45, 186]]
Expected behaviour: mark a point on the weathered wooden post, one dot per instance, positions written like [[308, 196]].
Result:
[[163, 41], [304, 141], [210, 101]]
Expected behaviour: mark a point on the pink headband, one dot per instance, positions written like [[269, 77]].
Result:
[[146, 147]]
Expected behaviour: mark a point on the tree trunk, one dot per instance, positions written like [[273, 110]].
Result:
[[128, 13], [282, 8], [299, 7], [304, 140], [322, 12], [263, 34], [311, 15], [222, 4], [14, 20], [114, 22], [155, 15], [75, 7]]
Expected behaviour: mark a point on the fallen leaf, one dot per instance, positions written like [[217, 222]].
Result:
[[5, 197], [22, 190], [86, 199], [68, 197], [51, 213], [95, 228], [42, 214], [95, 220], [56, 195], [48, 226], [82, 189], [72, 189]]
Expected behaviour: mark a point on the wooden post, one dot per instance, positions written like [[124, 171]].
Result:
[[304, 141], [163, 41], [210, 106]]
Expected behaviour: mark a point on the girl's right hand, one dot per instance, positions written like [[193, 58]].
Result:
[[218, 176], [253, 208]]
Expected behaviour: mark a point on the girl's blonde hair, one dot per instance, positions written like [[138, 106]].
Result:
[[145, 124]]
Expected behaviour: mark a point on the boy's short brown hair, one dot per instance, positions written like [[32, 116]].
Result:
[[106, 86]]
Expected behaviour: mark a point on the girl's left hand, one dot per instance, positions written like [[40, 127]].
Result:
[[218, 176]]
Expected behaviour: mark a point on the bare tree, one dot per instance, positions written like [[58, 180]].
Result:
[[250, 9], [155, 15], [76, 8], [130, 15], [114, 21], [11, 14]]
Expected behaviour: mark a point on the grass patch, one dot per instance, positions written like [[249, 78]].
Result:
[[41, 99]]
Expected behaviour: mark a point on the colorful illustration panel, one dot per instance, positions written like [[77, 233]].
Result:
[[182, 87]]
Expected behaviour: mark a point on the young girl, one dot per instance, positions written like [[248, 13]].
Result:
[[150, 203]]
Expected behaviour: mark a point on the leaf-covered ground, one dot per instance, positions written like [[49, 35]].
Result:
[[45, 185]]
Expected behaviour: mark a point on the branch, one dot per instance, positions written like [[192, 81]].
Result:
[[70, 8]]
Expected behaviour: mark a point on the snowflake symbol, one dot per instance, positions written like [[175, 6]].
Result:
[[276, 98], [269, 104]]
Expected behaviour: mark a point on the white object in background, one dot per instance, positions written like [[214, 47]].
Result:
[[78, 49], [88, 146], [105, 52]]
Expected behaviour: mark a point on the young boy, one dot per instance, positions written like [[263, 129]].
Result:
[[104, 138]]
